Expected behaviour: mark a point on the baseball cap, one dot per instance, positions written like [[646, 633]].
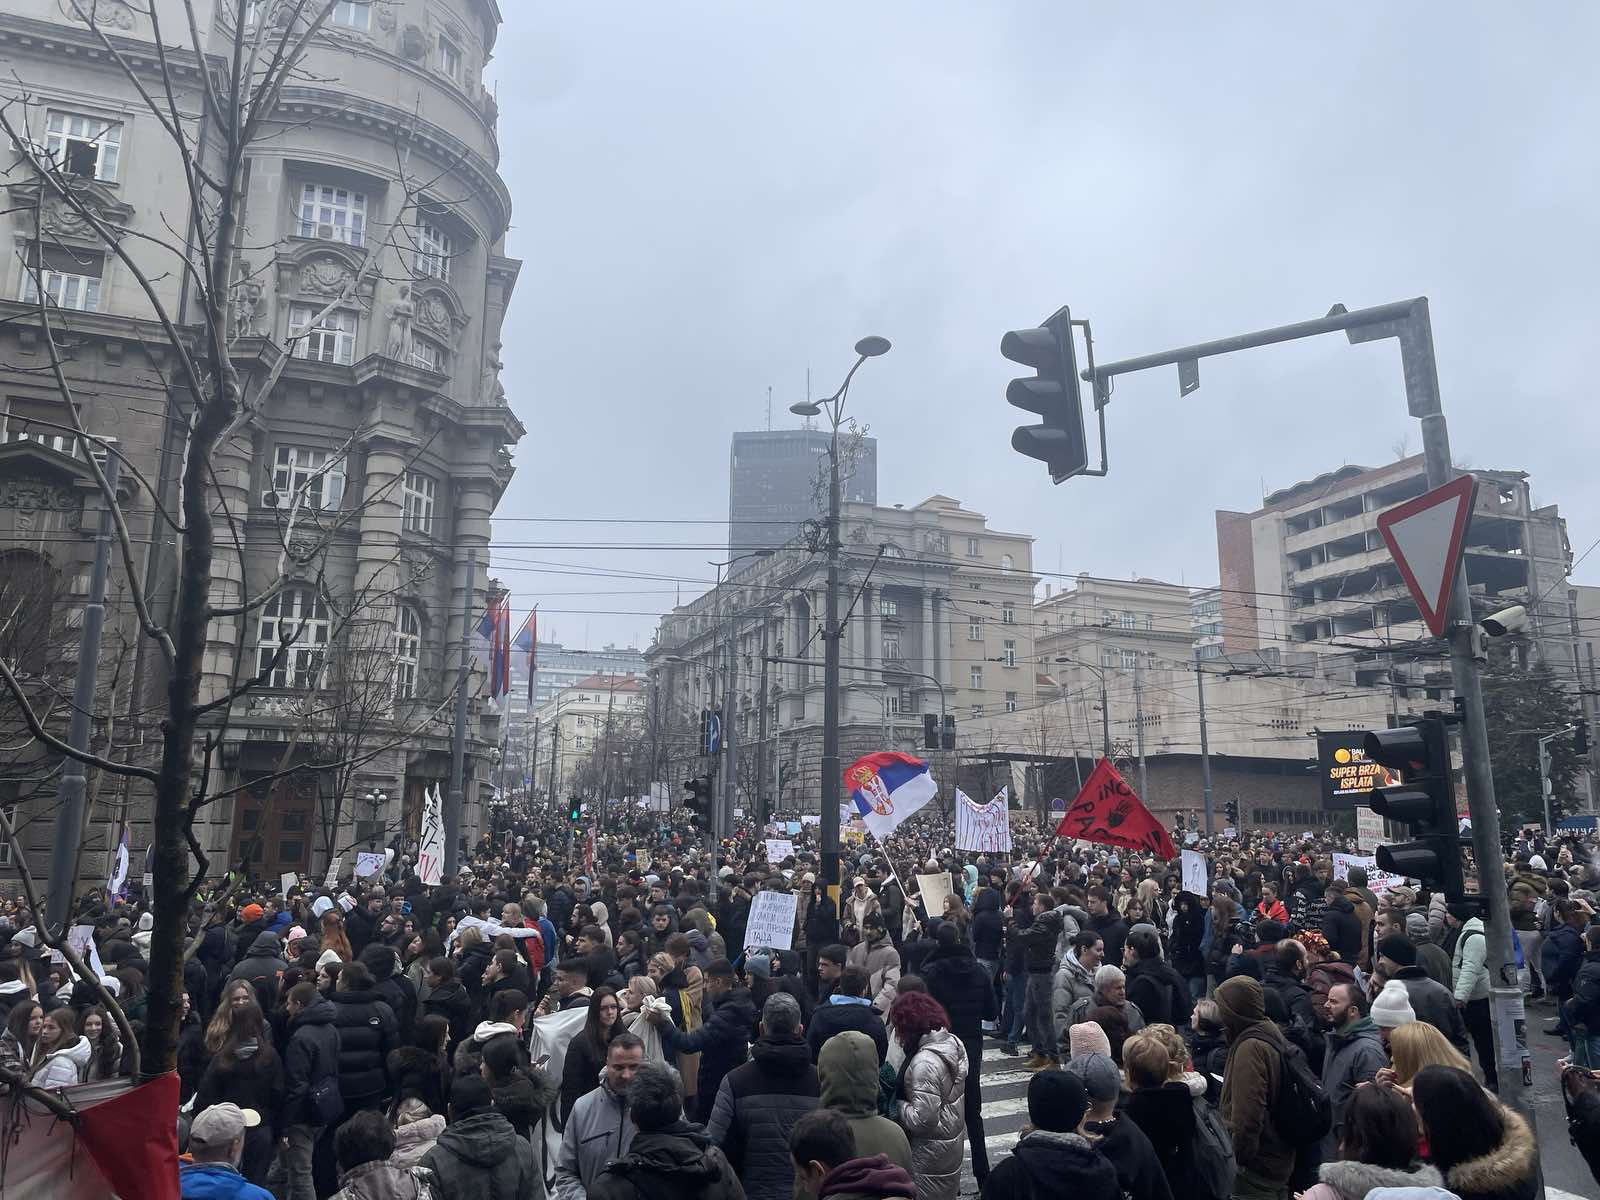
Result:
[[251, 912], [221, 1124]]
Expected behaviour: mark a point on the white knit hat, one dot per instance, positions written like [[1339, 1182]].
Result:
[[1393, 1008]]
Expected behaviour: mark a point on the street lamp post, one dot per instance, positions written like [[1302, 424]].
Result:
[[1105, 703], [377, 800], [867, 347]]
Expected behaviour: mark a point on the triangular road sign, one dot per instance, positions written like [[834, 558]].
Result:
[[1425, 536]]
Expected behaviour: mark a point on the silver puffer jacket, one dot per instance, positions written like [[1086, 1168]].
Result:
[[933, 1115]]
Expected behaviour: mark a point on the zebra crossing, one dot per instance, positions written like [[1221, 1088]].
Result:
[[1004, 1087]]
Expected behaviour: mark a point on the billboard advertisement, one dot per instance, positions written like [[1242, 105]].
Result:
[[1348, 776]]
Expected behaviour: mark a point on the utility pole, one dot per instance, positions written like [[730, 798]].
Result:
[[762, 795], [1544, 781], [605, 754], [1205, 745], [1408, 322], [1138, 727], [722, 810], [458, 745], [831, 634], [73, 789]]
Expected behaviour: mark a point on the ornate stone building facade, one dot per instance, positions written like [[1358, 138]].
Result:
[[369, 291]]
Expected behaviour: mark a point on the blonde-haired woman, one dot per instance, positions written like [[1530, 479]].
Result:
[[1415, 1045]]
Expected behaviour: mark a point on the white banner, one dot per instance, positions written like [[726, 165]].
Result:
[[933, 889], [983, 827], [548, 1038], [1369, 830], [331, 880], [778, 849], [430, 848], [1378, 882], [491, 930], [81, 939], [368, 864], [771, 922], [1195, 877]]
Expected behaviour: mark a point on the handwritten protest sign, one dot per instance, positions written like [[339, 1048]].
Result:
[[368, 864], [1378, 881], [771, 920], [1195, 879], [779, 849], [933, 889]]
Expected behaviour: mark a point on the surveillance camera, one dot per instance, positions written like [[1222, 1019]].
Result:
[[1507, 620]]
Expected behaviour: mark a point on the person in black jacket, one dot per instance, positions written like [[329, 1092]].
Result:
[[310, 1060], [847, 1007], [1158, 990], [988, 932], [1139, 1170], [1341, 926], [245, 1070], [821, 927], [1107, 922], [1164, 1109], [391, 984], [448, 999], [586, 1052], [420, 1069], [367, 1033], [958, 981], [758, 1104], [723, 1041]]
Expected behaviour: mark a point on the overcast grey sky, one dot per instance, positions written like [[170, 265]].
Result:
[[709, 197]]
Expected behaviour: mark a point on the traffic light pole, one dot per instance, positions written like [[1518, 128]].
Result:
[[1408, 322], [831, 781], [1205, 746]]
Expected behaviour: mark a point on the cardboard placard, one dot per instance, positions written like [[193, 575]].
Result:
[[933, 889], [771, 921], [368, 863], [286, 881], [779, 849], [1196, 878]]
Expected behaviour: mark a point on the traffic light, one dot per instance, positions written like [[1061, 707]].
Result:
[[1580, 737], [1232, 809], [574, 809], [930, 731], [1424, 800], [949, 731], [698, 801], [1058, 440]]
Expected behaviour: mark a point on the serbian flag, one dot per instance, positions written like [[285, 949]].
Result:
[[527, 641], [495, 629], [1110, 812], [886, 788]]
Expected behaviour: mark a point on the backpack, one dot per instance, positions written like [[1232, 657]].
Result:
[[1303, 1115], [1214, 1164]]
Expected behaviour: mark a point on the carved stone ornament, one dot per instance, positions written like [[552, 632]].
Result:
[[401, 313], [248, 302], [100, 14], [31, 497], [324, 277], [858, 534], [418, 565], [413, 43], [434, 314], [59, 217], [385, 17]]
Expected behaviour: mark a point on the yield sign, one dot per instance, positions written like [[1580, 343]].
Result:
[[1424, 536]]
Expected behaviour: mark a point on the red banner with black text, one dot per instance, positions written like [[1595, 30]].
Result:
[[1108, 811]]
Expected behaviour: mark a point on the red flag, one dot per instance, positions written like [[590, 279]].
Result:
[[133, 1139], [1109, 811]]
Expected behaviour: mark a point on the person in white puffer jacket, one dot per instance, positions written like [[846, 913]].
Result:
[[66, 1063]]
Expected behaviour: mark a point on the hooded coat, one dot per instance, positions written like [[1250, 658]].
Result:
[[847, 1070], [1166, 1115], [383, 1179], [880, 962], [1508, 1171], [722, 1042], [1349, 1180], [867, 1177], [1252, 1080], [311, 1056], [956, 981], [367, 1034], [932, 1089], [66, 1067], [675, 1163], [262, 968], [481, 1155], [1138, 1167], [1158, 992], [1354, 1055], [988, 927], [1046, 1165], [756, 1109], [1343, 929]]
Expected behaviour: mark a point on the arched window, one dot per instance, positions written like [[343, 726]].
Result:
[[1007, 564], [296, 617], [407, 653]]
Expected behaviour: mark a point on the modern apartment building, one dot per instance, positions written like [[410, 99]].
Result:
[[1308, 570]]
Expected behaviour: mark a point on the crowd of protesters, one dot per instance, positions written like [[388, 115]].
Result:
[[1288, 1032]]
